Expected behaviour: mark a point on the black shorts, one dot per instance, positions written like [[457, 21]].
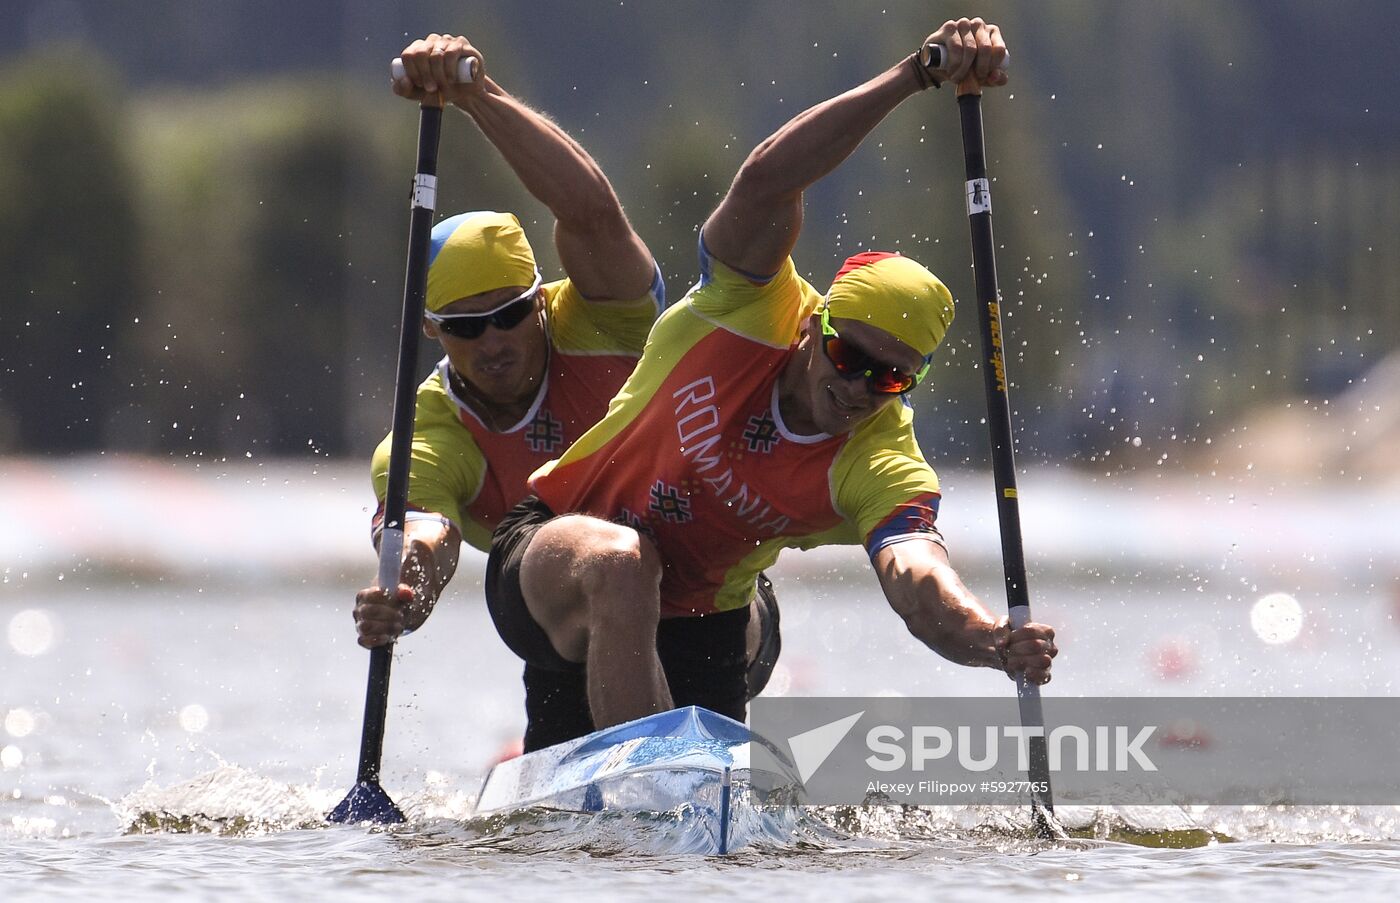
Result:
[[504, 598], [770, 642], [705, 658]]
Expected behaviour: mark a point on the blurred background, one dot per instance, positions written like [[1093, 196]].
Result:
[[203, 221], [203, 217]]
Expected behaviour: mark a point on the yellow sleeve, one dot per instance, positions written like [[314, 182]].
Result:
[[767, 309], [881, 473], [446, 467], [580, 326]]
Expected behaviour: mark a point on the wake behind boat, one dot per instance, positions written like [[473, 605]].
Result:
[[690, 764]]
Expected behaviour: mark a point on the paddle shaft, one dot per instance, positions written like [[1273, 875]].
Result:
[[994, 379], [391, 541]]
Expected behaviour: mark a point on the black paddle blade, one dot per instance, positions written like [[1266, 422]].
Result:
[[1047, 826], [366, 803]]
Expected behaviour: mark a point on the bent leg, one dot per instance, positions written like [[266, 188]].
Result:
[[594, 588]]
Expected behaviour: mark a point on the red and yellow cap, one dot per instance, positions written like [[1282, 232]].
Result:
[[895, 294]]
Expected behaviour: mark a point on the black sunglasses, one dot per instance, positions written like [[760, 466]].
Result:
[[505, 317]]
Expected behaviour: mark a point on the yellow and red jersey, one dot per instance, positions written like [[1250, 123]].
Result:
[[473, 475], [694, 453]]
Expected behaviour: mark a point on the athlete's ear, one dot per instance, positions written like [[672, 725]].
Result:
[[430, 329]]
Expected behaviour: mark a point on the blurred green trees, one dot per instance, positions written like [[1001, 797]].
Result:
[[217, 270], [266, 219], [68, 253]]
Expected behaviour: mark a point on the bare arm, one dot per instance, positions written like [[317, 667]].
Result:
[[602, 254], [755, 227], [922, 587], [430, 560]]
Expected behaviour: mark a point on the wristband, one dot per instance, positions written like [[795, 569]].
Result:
[[926, 78], [412, 516]]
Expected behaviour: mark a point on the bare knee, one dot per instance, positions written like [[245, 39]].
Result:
[[600, 571], [617, 559]]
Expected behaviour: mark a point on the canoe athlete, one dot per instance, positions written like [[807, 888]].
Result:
[[528, 366], [763, 415]]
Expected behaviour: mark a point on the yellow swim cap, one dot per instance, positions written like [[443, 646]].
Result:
[[895, 294], [477, 252]]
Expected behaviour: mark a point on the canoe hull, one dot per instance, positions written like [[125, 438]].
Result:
[[691, 763]]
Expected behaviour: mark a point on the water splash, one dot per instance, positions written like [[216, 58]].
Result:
[[229, 801], [237, 802]]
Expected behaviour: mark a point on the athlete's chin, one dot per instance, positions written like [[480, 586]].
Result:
[[836, 418], [501, 383]]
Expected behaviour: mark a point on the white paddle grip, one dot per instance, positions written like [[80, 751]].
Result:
[[466, 70], [935, 56], [391, 544]]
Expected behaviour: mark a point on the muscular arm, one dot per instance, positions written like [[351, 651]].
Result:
[[921, 585], [755, 227], [600, 251]]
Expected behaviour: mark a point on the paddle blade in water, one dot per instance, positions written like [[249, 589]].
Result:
[[1047, 826], [366, 803]]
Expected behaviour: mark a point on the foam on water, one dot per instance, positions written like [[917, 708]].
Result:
[[228, 800], [236, 832], [235, 801]]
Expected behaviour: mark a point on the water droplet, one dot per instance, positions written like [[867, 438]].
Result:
[[194, 718], [31, 632], [1277, 618], [19, 722]]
